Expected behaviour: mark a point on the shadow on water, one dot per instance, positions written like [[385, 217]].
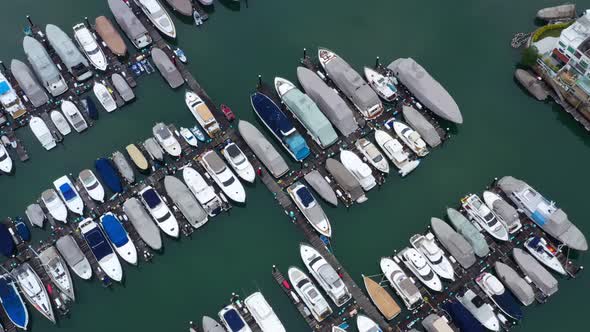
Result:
[[233, 5]]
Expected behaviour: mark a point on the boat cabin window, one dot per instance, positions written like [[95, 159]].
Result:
[[477, 302], [164, 217], [228, 181], [235, 153], [67, 192]]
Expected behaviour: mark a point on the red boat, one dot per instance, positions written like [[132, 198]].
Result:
[[229, 115]]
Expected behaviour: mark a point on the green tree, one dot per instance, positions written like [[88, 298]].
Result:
[[529, 56]]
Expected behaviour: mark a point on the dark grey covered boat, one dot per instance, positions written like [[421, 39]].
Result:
[[329, 102], [421, 125], [535, 271], [517, 285], [130, 24], [167, 68], [123, 166], [321, 186], [185, 201], [346, 180], [535, 87], [265, 151], [35, 215], [459, 248], [28, 82], [122, 87], [142, 222]]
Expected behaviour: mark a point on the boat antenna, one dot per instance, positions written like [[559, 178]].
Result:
[[29, 20], [377, 62], [86, 20], [2, 65]]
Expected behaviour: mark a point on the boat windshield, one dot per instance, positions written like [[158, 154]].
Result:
[[164, 217], [229, 181], [151, 198], [234, 320], [163, 132], [67, 192], [305, 197], [236, 155]]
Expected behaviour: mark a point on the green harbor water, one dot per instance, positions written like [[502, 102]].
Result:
[[464, 44]]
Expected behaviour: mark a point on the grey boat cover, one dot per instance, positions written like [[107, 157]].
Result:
[[557, 12], [517, 285], [435, 323], [52, 261], [426, 89], [421, 125], [469, 232], [556, 225], [211, 325], [352, 84], [506, 211], [321, 186], [35, 215], [457, 246], [43, 66], [533, 86], [329, 102], [167, 68], [184, 7], [535, 271], [123, 166], [65, 47], [185, 201], [28, 82], [265, 151], [122, 87], [129, 23], [142, 222], [69, 249], [345, 179], [154, 149]]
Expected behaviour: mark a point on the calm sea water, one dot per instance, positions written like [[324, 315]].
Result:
[[465, 44]]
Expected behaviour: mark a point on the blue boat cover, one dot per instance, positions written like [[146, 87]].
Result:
[[4, 87], [281, 126], [234, 320], [538, 218], [67, 191], [151, 198], [534, 244], [12, 303], [92, 111], [98, 243], [109, 176], [462, 318], [305, 196], [6, 244], [508, 304], [23, 230], [115, 231]]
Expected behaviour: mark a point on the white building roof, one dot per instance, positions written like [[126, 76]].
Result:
[[577, 33]]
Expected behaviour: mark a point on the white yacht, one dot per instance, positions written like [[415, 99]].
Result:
[[545, 253], [202, 114], [481, 310], [416, 263], [159, 211], [73, 115], [34, 290], [223, 176], [310, 208], [325, 275], [166, 139], [40, 130], [485, 217], [309, 293], [58, 272], [383, 85], [68, 193], [366, 324], [411, 138], [60, 122], [56, 207], [232, 320], [5, 160], [506, 212], [158, 16], [372, 154], [403, 285], [394, 150], [263, 313], [204, 193], [434, 255], [238, 161], [189, 137], [361, 171], [91, 184], [87, 43], [101, 249], [119, 237], [104, 96]]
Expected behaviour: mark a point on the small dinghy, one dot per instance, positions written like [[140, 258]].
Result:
[[35, 215], [180, 55], [188, 136], [60, 122], [104, 97], [198, 133]]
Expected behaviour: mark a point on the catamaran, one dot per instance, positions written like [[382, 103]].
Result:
[[325, 275], [238, 161], [166, 139], [34, 290], [394, 150], [73, 115], [223, 176], [159, 211], [119, 237], [87, 43], [310, 208], [68, 193], [201, 112]]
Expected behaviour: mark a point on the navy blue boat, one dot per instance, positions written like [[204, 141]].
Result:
[[13, 303], [499, 295], [6, 244], [22, 229], [282, 128], [108, 174], [91, 107], [462, 318]]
